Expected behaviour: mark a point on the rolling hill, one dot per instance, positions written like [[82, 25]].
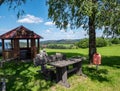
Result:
[[62, 41]]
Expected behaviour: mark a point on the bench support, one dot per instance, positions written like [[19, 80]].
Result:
[[61, 74]]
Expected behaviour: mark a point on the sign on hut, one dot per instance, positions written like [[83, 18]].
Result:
[[16, 51]]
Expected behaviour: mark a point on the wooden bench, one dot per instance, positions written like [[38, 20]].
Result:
[[43, 61]]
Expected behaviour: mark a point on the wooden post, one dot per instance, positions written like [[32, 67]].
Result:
[[12, 44], [3, 45], [16, 48], [33, 48], [3, 48], [27, 43], [38, 46]]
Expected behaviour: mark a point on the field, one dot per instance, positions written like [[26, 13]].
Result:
[[23, 76]]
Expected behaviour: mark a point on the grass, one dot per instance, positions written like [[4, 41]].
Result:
[[23, 76]]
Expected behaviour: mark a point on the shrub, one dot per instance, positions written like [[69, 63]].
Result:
[[83, 43], [115, 41], [108, 42], [100, 42], [71, 46], [55, 46]]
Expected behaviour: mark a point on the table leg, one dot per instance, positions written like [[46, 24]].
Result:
[[79, 69], [62, 76], [58, 74]]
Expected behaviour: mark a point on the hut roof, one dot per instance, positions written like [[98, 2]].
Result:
[[20, 32]]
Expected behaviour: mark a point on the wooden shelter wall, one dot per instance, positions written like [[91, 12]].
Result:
[[7, 54]]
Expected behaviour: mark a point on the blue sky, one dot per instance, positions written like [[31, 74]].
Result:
[[36, 19]]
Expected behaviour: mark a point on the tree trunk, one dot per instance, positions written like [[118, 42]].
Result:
[[92, 34], [92, 38]]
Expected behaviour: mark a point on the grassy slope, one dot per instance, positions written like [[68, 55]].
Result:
[[23, 77]]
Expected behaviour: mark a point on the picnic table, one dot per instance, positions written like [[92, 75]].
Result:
[[60, 67], [62, 71]]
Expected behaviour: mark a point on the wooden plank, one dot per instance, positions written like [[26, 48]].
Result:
[[38, 45], [64, 63], [72, 70]]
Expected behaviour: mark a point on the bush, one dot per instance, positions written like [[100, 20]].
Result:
[[108, 42], [100, 42], [115, 41], [83, 43], [54, 46], [57, 46]]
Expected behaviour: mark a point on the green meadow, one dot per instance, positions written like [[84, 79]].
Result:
[[23, 76]]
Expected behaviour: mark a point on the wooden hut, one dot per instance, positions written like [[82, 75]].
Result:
[[14, 36]]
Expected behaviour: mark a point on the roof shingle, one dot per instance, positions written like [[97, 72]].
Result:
[[20, 32]]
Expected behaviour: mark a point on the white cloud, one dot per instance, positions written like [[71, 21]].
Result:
[[48, 31], [68, 25], [56, 34], [49, 23], [99, 33], [30, 19], [71, 32], [63, 30]]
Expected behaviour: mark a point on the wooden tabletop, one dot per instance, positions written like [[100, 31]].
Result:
[[64, 63]]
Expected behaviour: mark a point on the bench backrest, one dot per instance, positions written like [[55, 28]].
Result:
[[43, 58], [60, 56]]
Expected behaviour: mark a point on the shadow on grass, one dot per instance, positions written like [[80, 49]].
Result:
[[112, 61], [11, 72], [43, 84], [68, 55], [19, 77], [99, 75]]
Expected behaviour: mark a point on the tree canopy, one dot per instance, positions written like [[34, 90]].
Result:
[[90, 14], [14, 4], [77, 13]]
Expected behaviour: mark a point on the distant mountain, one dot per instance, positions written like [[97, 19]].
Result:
[[62, 41]]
